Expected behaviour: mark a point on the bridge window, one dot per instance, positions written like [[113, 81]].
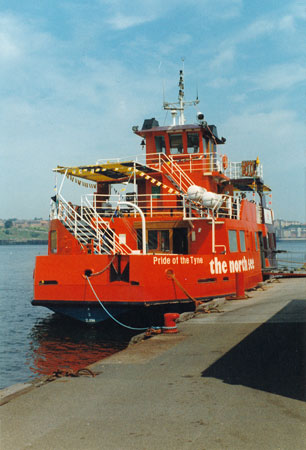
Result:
[[232, 238], [160, 144], [176, 144], [192, 143]]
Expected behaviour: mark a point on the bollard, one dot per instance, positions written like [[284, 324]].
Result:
[[240, 293], [240, 285], [169, 321]]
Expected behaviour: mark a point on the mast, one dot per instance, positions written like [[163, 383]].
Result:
[[180, 105]]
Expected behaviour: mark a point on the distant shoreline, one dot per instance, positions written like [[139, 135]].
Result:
[[291, 239], [27, 242]]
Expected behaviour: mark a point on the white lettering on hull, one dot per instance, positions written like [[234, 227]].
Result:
[[216, 266], [233, 266], [185, 260]]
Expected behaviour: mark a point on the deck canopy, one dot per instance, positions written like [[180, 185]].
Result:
[[110, 171], [249, 185]]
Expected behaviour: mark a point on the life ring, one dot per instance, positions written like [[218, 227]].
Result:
[[224, 162]]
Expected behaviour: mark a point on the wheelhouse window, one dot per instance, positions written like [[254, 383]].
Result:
[[192, 143], [160, 144], [176, 144], [232, 239], [242, 241]]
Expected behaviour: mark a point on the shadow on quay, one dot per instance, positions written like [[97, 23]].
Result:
[[272, 358]]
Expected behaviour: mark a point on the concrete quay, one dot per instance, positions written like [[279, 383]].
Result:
[[233, 379]]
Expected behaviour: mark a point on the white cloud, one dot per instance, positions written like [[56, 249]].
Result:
[[122, 22], [224, 57], [287, 23], [221, 82], [174, 42], [280, 76], [10, 48]]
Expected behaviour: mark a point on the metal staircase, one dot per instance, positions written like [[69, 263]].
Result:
[[91, 230], [172, 171]]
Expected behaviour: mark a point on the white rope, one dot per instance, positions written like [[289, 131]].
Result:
[[109, 314]]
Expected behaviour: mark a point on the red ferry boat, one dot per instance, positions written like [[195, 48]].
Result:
[[179, 223]]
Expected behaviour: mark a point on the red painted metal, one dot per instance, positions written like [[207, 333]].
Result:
[[170, 323]]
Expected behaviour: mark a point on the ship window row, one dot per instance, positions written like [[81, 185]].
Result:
[[176, 144], [233, 241], [174, 240]]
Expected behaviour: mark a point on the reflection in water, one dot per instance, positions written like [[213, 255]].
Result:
[[57, 342], [60, 343]]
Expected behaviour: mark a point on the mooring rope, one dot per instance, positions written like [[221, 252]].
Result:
[[109, 314]]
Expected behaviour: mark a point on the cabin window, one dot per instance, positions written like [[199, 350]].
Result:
[[256, 241], [160, 144], [158, 240], [139, 239], [176, 144], [156, 192], [242, 241], [232, 238], [192, 143], [164, 241], [53, 241], [152, 239]]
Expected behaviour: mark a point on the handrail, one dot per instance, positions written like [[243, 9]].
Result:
[[228, 207], [165, 204], [69, 216], [234, 171], [101, 224]]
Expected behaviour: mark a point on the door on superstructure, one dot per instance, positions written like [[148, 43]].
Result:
[[180, 240], [262, 249]]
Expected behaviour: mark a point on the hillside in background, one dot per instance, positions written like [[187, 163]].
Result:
[[14, 231]]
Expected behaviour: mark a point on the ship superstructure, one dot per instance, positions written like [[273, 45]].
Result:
[[174, 224]]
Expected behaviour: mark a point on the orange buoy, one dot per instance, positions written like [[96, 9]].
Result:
[[169, 321]]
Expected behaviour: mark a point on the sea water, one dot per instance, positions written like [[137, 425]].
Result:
[[293, 255], [35, 341]]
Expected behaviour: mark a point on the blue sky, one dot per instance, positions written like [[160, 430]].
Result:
[[77, 75]]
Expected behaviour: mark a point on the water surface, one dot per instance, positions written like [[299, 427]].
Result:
[[35, 341]]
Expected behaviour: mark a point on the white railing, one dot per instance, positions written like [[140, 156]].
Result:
[[235, 170], [150, 204], [107, 206], [171, 169], [227, 208], [88, 227], [182, 162]]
